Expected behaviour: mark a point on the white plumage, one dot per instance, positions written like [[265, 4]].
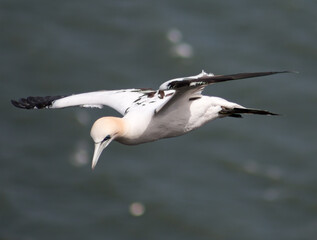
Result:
[[176, 108]]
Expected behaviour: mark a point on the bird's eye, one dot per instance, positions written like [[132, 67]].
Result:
[[106, 138]]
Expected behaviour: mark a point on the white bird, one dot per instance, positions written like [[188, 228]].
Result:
[[176, 108]]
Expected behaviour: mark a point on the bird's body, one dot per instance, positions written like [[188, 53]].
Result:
[[175, 121], [176, 108]]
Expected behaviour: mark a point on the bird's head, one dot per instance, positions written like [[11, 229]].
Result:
[[103, 132]]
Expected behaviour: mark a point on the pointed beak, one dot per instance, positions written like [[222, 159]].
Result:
[[99, 147]]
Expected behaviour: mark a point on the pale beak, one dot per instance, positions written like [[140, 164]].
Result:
[[99, 147]]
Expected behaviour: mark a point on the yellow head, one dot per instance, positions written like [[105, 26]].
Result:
[[103, 132]]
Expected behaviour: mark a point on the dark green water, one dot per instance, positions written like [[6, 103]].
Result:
[[251, 178]]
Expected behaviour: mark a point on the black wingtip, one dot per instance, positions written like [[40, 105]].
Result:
[[35, 102], [16, 104], [223, 78], [209, 79], [22, 103]]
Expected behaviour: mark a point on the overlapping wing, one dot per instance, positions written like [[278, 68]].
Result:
[[204, 79], [191, 87]]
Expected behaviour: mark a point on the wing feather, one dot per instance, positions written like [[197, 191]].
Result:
[[180, 89], [191, 87], [204, 79], [120, 100]]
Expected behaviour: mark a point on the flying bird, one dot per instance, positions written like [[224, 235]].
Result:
[[176, 108]]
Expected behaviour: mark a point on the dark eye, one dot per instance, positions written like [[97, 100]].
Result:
[[106, 138]]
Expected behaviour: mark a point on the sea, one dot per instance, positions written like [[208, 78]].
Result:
[[250, 178]]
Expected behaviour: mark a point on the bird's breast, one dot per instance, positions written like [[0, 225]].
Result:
[[176, 121]]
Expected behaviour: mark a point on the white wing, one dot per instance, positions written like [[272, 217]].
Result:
[[170, 92], [120, 100]]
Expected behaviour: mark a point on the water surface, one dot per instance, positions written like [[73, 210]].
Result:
[[251, 178]]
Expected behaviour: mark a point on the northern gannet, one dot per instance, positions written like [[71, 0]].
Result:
[[176, 108]]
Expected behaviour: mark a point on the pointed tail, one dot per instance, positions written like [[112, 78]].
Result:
[[236, 112]]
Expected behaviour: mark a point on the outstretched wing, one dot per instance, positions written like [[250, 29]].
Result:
[[120, 100], [184, 89], [191, 87], [204, 79]]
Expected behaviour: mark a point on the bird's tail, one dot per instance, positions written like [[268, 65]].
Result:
[[236, 112]]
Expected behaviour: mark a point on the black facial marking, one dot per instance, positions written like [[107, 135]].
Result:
[[106, 138], [194, 98]]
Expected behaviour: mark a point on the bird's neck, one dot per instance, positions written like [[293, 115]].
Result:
[[118, 124]]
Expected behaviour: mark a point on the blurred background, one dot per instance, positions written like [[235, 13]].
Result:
[[250, 178]]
